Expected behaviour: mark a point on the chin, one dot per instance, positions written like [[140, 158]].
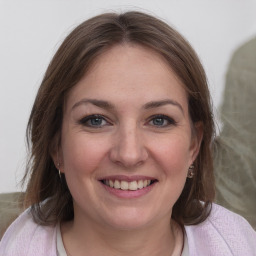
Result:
[[128, 220]]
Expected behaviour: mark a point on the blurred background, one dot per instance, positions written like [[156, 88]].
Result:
[[31, 31]]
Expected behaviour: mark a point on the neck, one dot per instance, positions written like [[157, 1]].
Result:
[[163, 238]]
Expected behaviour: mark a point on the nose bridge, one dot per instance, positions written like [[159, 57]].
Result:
[[129, 149]]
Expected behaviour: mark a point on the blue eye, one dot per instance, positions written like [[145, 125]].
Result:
[[161, 121], [95, 121]]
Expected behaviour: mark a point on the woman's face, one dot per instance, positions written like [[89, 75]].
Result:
[[126, 141]]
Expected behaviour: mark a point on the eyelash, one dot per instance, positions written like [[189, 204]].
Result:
[[170, 121], [85, 121]]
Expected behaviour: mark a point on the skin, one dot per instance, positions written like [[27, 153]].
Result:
[[127, 140]]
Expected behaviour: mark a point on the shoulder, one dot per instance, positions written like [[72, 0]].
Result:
[[222, 233], [26, 238]]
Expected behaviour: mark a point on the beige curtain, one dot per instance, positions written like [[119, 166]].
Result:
[[235, 159], [10, 208]]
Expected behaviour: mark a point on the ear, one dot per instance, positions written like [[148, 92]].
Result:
[[196, 139], [56, 153]]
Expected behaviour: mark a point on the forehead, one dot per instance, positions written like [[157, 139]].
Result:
[[133, 56], [127, 72]]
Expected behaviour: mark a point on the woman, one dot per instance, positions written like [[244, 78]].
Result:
[[121, 131]]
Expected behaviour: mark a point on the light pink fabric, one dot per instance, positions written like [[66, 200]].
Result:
[[222, 234], [25, 238]]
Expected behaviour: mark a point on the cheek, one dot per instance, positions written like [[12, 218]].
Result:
[[82, 154], [174, 155]]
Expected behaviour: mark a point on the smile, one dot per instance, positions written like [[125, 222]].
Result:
[[128, 185]]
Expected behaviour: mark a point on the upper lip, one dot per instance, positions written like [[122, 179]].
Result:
[[127, 178]]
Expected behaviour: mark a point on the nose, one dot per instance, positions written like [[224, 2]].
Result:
[[128, 148]]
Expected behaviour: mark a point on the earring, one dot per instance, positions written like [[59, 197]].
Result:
[[60, 174], [59, 169], [191, 172]]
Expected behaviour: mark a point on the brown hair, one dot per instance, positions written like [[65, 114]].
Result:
[[47, 193]]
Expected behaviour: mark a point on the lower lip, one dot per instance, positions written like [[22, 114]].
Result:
[[129, 193]]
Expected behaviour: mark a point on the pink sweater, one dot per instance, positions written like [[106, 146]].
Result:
[[223, 234]]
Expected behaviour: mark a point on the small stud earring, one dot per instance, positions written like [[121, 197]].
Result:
[[191, 172]]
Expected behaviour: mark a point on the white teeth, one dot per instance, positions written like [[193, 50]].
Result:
[[117, 184], [133, 185], [140, 184], [125, 185], [111, 183]]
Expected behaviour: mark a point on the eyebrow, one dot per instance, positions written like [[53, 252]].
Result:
[[150, 105], [99, 103], [157, 104]]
